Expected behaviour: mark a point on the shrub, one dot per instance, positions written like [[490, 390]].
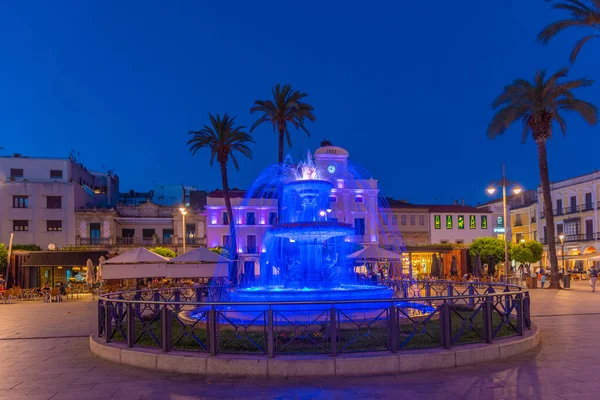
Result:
[[163, 251]]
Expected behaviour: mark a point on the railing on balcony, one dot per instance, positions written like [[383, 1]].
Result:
[[137, 241], [94, 241], [582, 237], [518, 223]]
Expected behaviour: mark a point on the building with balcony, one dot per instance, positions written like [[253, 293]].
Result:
[[39, 195], [523, 218], [575, 210]]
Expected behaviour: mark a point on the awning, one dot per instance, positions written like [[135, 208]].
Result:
[[55, 258], [198, 263], [137, 263], [375, 253]]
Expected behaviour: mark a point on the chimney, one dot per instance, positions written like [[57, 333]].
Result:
[[455, 202], [462, 202]]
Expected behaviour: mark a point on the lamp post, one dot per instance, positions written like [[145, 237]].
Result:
[[516, 190], [562, 245], [183, 213]]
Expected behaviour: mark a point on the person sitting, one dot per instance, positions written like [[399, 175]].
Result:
[[46, 291]]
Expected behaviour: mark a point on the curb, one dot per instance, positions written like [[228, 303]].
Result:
[[357, 364]]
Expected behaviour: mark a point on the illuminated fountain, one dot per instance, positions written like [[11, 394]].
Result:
[[305, 256]]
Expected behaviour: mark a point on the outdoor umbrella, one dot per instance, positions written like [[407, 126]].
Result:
[[441, 267], [491, 266], [99, 272], [89, 275], [434, 266], [469, 263], [477, 270], [453, 267]]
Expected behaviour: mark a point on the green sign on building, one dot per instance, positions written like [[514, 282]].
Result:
[[461, 222], [437, 220], [484, 222], [472, 222], [448, 221]]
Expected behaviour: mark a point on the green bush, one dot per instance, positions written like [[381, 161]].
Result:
[[163, 251], [27, 247]]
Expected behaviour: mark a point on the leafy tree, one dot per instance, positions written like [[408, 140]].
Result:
[[163, 251], [488, 247], [527, 252], [220, 250], [224, 139], [537, 105], [3, 258], [285, 108], [583, 14]]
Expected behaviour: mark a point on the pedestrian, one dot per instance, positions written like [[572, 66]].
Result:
[[593, 278], [543, 280], [2, 282]]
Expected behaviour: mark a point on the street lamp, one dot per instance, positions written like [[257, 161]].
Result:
[[516, 190], [183, 214], [562, 245]]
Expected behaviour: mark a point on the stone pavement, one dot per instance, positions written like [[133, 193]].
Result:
[[59, 366]]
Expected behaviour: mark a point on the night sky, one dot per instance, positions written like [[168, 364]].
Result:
[[405, 87]]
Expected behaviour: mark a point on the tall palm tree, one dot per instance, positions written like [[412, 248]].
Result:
[[538, 105], [583, 14], [224, 139], [285, 108]]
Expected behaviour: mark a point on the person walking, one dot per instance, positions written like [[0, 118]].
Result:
[[593, 278], [543, 279]]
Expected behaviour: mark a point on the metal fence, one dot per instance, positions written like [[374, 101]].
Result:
[[461, 313]]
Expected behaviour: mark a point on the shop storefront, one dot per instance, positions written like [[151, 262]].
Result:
[[421, 257]]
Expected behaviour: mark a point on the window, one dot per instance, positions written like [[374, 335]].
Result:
[[460, 241], [449, 222], [437, 220], [168, 236], [588, 202], [250, 218], [16, 173], [559, 209], [56, 174], [394, 219], [128, 233], [359, 226], [500, 222], [443, 242], [53, 202], [20, 202], [359, 199], [559, 229], [95, 233], [385, 219], [251, 244], [421, 220], [272, 218], [97, 189], [518, 220], [104, 190], [403, 219], [413, 219], [20, 225], [460, 221], [226, 241], [225, 218], [147, 234], [484, 222], [54, 226], [190, 230], [472, 222], [332, 199]]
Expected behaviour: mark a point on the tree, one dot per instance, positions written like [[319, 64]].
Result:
[[224, 139], [527, 252], [583, 14], [538, 105], [3, 258], [286, 108], [163, 251], [488, 247]]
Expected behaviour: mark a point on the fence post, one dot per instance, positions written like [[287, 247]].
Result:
[[100, 317], [471, 293], [270, 334], [333, 323], [130, 324], [507, 305], [428, 289], [527, 311], [165, 327], [487, 319], [177, 296], [445, 326], [107, 328], [393, 328], [520, 316], [212, 330], [156, 298], [198, 295]]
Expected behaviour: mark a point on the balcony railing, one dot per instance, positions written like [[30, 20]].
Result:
[[518, 223], [138, 241], [582, 237]]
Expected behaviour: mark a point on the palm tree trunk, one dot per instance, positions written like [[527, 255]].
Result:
[[280, 189], [550, 234], [281, 133], [234, 270]]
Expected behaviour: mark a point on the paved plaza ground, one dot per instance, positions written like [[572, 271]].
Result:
[[44, 355]]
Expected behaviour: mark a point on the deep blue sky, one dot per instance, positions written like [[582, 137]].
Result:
[[405, 86]]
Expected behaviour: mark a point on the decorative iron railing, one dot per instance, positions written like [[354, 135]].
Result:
[[460, 313]]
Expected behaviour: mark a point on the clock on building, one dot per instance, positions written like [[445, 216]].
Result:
[[331, 168]]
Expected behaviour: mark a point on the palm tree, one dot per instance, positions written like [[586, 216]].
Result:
[[583, 13], [285, 108], [537, 105], [224, 139]]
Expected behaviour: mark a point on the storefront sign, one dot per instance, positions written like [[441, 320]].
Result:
[[448, 221], [437, 221], [461, 222], [472, 222], [484, 222]]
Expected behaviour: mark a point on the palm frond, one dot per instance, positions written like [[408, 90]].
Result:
[[579, 45]]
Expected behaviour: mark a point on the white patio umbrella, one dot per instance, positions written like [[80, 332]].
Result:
[[99, 272], [89, 275]]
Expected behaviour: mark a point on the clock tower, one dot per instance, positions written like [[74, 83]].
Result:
[[333, 160]]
